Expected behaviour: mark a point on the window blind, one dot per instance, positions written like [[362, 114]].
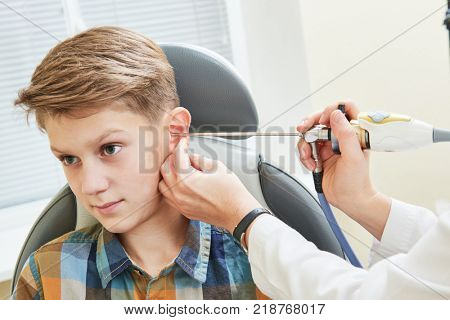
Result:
[[28, 171], [199, 22]]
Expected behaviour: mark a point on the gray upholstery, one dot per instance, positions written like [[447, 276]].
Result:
[[212, 90], [216, 96], [292, 203]]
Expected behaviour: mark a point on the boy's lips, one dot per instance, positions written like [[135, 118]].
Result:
[[108, 207]]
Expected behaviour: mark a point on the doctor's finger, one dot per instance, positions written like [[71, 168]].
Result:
[[168, 172], [202, 163], [182, 163], [306, 159], [309, 121], [350, 109], [163, 188]]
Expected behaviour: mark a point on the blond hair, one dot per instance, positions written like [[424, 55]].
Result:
[[100, 66]]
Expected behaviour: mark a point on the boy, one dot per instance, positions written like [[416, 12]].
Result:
[[93, 94]]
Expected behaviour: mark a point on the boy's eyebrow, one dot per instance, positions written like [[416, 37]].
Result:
[[96, 140]]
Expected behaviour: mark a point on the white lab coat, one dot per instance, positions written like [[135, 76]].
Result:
[[412, 261]]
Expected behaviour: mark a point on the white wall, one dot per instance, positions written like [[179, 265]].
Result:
[[409, 75], [271, 36]]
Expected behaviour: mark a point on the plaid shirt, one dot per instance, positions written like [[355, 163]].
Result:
[[92, 264]]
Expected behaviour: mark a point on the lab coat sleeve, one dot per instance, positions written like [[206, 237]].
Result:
[[287, 266], [405, 226]]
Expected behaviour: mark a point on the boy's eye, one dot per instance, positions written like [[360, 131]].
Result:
[[107, 150], [111, 149], [69, 160]]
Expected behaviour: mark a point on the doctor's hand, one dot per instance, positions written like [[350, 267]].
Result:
[[204, 189], [346, 181]]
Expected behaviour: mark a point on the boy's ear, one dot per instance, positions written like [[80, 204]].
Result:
[[179, 122]]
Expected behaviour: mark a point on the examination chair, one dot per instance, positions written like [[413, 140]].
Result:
[[218, 99]]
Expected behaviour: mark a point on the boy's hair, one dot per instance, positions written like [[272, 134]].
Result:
[[100, 66]]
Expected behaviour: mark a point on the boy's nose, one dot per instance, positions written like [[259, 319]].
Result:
[[94, 181]]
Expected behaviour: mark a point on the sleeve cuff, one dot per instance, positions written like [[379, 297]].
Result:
[[405, 225], [264, 227]]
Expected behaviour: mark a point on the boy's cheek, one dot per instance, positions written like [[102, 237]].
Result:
[[151, 162]]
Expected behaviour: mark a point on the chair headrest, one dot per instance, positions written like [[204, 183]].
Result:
[[211, 89]]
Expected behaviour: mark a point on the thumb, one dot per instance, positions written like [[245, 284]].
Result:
[[202, 163], [346, 136], [182, 163]]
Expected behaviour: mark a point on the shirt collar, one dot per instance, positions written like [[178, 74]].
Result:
[[194, 255], [193, 258], [111, 257]]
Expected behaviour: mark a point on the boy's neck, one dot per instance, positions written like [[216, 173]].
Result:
[[155, 243]]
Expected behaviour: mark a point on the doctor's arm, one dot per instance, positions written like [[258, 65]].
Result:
[[287, 266], [283, 263]]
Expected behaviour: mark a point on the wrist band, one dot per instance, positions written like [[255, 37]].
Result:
[[242, 226]]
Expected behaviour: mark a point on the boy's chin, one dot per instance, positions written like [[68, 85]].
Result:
[[120, 226]]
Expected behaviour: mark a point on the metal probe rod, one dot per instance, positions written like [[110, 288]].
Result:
[[240, 134]]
